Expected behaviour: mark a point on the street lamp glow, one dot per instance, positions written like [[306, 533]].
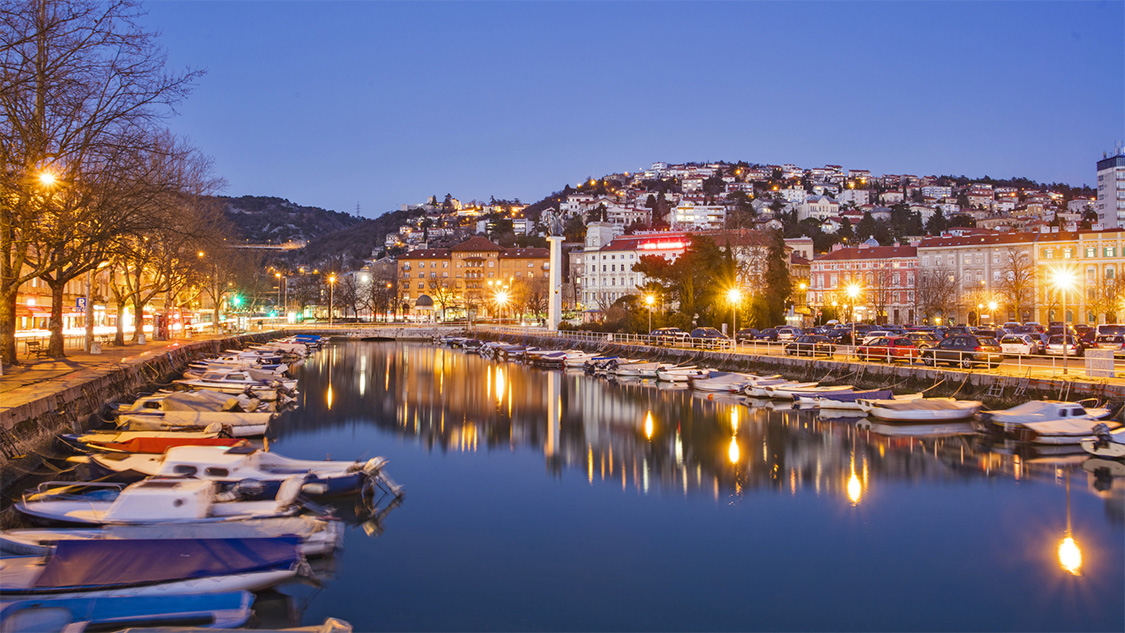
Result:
[[649, 300], [1063, 278], [992, 305], [852, 290], [734, 295], [47, 178]]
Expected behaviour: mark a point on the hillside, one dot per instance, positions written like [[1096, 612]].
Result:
[[358, 240], [262, 219]]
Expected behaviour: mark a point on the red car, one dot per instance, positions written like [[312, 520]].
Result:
[[889, 348]]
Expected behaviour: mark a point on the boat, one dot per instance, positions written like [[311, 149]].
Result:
[[236, 424], [636, 370], [1042, 411], [720, 381], [151, 501], [680, 373], [756, 388], [849, 400], [152, 567], [230, 609], [1105, 443], [921, 409], [229, 465], [193, 401], [145, 441], [236, 381], [789, 391], [318, 536], [577, 359]]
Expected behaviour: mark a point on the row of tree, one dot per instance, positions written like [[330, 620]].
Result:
[[90, 177]]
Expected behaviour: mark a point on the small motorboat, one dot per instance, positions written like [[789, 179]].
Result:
[[921, 409], [1105, 443], [724, 381], [151, 501], [680, 373], [155, 567], [789, 392], [318, 536], [236, 424], [577, 359], [1042, 411], [41, 614], [636, 370], [756, 388], [145, 441], [229, 465], [193, 401], [849, 400], [235, 381]]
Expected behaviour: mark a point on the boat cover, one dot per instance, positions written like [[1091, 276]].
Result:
[[108, 563], [926, 404], [199, 401], [851, 396], [259, 374]]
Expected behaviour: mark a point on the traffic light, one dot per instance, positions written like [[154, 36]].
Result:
[[236, 301]]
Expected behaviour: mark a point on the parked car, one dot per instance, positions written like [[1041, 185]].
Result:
[[746, 335], [872, 335], [788, 333], [889, 348], [923, 339], [768, 334], [1014, 344], [709, 338], [1086, 333], [1074, 346], [810, 345], [965, 350], [670, 335], [840, 335], [1115, 342]]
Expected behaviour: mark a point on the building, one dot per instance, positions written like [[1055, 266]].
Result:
[[865, 283], [1111, 190], [699, 217], [469, 278]]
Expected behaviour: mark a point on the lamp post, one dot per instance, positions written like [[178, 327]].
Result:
[[331, 296], [649, 300], [734, 295], [1063, 280], [277, 275], [853, 292], [392, 298]]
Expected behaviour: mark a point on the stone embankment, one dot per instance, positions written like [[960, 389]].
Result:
[[33, 415], [377, 331], [994, 390]]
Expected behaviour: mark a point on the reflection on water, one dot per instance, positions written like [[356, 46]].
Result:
[[939, 484]]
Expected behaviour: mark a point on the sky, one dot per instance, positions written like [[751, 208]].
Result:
[[380, 104]]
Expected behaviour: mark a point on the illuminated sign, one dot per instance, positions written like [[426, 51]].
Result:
[[660, 246]]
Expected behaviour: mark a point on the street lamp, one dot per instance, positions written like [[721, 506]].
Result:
[[852, 289], [649, 301], [501, 301], [278, 276], [734, 295], [331, 296], [1063, 279]]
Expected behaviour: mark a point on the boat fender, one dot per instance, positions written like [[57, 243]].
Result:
[[214, 427], [315, 488]]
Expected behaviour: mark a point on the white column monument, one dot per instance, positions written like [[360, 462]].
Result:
[[554, 308]]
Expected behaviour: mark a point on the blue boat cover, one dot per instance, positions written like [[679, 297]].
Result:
[[106, 563], [852, 396]]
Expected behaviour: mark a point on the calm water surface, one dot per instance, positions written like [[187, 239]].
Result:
[[544, 500]]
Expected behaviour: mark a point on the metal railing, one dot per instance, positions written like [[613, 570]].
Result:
[[1022, 365]]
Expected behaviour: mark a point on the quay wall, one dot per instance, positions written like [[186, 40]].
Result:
[[377, 331], [994, 390], [35, 414]]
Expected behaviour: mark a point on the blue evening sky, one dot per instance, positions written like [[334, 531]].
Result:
[[385, 103]]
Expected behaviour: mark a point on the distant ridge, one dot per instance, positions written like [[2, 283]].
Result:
[[262, 219]]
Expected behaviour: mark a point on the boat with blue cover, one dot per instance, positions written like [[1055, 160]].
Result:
[[47, 615], [154, 567]]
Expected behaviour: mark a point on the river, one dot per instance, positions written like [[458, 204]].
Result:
[[544, 500]]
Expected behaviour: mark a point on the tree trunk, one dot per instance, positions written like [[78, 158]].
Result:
[[138, 320], [119, 337], [8, 353], [215, 318], [55, 346]]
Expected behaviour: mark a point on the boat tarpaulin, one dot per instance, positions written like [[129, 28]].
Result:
[[199, 401], [851, 396], [106, 563]]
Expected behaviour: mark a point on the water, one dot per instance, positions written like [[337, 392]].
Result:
[[543, 500]]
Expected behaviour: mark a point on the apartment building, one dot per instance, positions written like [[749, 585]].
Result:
[[883, 277], [1111, 190]]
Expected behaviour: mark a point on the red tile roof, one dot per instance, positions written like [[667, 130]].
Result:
[[871, 252], [477, 243]]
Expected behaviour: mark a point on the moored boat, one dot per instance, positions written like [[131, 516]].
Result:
[[43, 614], [921, 409], [1105, 443]]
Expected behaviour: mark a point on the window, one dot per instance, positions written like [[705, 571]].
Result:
[[214, 471], [1091, 251], [1067, 253], [1111, 251]]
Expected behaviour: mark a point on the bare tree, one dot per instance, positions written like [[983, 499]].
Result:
[[937, 291], [443, 294], [83, 86], [349, 293], [880, 290], [1017, 281], [1106, 298]]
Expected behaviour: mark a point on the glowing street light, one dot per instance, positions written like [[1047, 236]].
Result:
[[331, 296], [1063, 279], [47, 178], [734, 295], [649, 301], [852, 290]]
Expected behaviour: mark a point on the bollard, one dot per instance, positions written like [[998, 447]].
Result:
[[96, 347]]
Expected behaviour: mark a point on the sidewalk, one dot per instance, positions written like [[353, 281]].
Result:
[[34, 370]]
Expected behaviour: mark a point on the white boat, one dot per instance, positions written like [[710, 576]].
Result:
[[849, 401], [194, 401], [921, 409], [237, 424], [229, 465], [788, 392], [152, 501], [680, 373], [233, 381], [721, 381], [577, 359], [151, 567], [1105, 442], [636, 370], [317, 536], [1042, 411], [756, 388]]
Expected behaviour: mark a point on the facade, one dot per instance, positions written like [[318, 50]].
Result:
[[1111, 191], [883, 277], [699, 217], [467, 278]]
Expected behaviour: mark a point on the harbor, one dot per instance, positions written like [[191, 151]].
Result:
[[545, 498]]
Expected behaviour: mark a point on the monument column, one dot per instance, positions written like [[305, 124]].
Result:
[[554, 309]]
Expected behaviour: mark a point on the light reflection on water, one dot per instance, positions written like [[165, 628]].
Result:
[[663, 509]]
